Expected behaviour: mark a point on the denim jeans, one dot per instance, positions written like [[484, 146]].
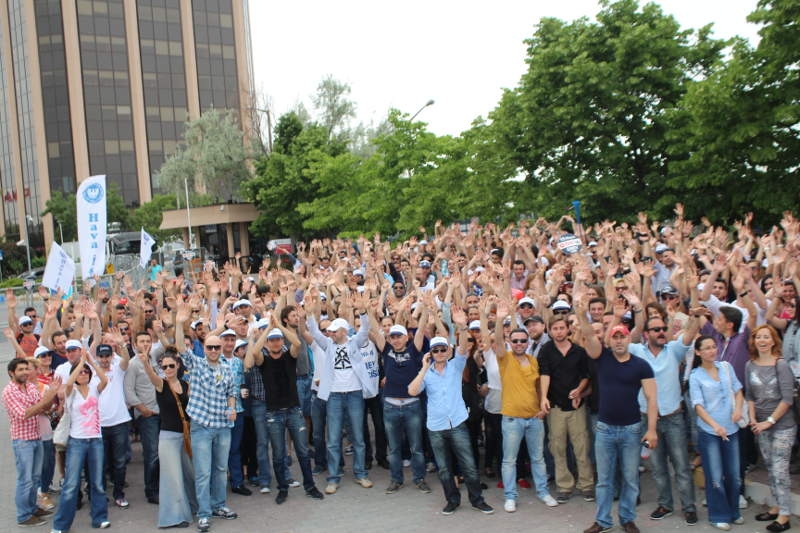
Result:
[[80, 451], [672, 443], [28, 459], [318, 416], [148, 432], [721, 469], [341, 405], [455, 443], [617, 445], [532, 430], [373, 407], [48, 464], [304, 394], [259, 410], [399, 421], [235, 453], [115, 446], [277, 423], [210, 447]]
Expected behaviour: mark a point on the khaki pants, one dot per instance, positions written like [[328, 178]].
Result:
[[572, 425]]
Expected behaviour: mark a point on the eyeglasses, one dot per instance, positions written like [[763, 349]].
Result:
[[659, 330], [561, 312], [149, 310], [519, 341], [438, 350], [526, 306], [168, 366], [214, 347]]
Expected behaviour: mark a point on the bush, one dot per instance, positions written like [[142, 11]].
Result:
[[11, 282]]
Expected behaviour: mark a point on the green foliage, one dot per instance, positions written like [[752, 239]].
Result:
[[64, 210], [11, 282], [212, 158], [148, 216], [333, 106]]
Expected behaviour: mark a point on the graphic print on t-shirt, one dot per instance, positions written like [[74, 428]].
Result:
[[342, 360]]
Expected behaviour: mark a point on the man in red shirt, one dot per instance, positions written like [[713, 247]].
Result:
[[23, 403]]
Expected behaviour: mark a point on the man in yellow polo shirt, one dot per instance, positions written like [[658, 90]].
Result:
[[519, 375]]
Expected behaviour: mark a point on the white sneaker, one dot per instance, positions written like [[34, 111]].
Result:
[[264, 490], [406, 463], [724, 526], [293, 483], [510, 506], [549, 501], [743, 503], [104, 525], [739, 521]]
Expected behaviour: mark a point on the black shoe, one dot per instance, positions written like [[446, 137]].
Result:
[[383, 463], [314, 493], [224, 512], [660, 512], [563, 497], [368, 465], [244, 491], [450, 508], [777, 526], [152, 499], [691, 518], [281, 497], [483, 507], [766, 517]]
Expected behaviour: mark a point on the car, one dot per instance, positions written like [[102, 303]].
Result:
[[34, 273]]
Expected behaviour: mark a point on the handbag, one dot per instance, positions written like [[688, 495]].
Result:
[[745, 420], [61, 432], [187, 436]]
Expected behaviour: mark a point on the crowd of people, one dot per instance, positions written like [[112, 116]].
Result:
[[601, 348]]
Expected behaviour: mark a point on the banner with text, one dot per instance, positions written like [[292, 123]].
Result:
[[91, 198], [59, 271]]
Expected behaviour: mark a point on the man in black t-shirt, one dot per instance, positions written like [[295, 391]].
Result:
[[279, 372], [618, 434]]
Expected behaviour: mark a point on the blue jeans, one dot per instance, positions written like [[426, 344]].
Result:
[[318, 416], [259, 410], [304, 394], [235, 454], [532, 429], [341, 405], [210, 447], [617, 445], [48, 464], [28, 459], [148, 432], [672, 444], [115, 450], [721, 469], [277, 424], [451, 443], [80, 451], [404, 420]]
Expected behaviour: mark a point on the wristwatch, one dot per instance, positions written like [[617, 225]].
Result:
[[771, 420]]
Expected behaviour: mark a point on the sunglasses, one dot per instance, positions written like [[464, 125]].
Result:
[[439, 350], [214, 347], [659, 330], [526, 306], [519, 341], [669, 296], [195, 310], [124, 331], [561, 312], [104, 355], [73, 349], [395, 335], [84, 372], [168, 366]]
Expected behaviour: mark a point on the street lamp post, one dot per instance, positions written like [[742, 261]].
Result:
[[28, 218], [188, 211], [427, 104]]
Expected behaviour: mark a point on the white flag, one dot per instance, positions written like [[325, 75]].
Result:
[[59, 271], [91, 198], [146, 249]]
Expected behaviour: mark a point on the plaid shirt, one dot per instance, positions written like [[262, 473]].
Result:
[[255, 380], [16, 402], [209, 390]]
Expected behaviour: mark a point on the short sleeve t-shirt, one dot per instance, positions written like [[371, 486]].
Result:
[[620, 383], [85, 414], [520, 398]]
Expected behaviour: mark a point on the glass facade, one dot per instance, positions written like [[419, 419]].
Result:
[[163, 79], [55, 96], [216, 54], [107, 95], [6, 168]]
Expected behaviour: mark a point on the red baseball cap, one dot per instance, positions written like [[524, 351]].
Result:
[[619, 328]]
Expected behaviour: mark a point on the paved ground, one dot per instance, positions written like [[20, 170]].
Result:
[[353, 508]]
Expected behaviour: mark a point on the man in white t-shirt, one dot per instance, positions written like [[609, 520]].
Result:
[[114, 418]]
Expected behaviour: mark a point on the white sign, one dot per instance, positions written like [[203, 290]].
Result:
[[59, 271], [91, 199], [146, 249]]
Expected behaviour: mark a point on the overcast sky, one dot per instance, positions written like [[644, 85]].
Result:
[[402, 54]]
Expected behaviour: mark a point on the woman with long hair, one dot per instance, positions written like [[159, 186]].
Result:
[[176, 474], [770, 387], [85, 444], [717, 398]]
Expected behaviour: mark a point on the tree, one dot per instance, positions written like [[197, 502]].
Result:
[[334, 108], [212, 158], [588, 118], [149, 216], [64, 210]]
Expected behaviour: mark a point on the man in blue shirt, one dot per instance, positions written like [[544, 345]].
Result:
[[665, 358], [447, 414]]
